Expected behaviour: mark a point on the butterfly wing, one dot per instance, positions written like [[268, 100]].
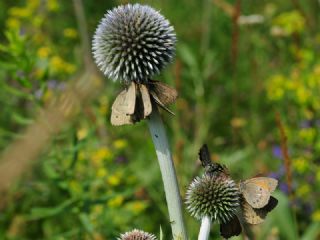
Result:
[[157, 100], [256, 191], [204, 156], [231, 228], [166, 94], [255, 216], [126, 100], [147, 107], [120, 118]]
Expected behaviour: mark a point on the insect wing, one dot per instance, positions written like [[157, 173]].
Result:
[[255, 216], [204, 156], [147, 107], [126, 100], [157, 100], [164, 92], [120, 118], [256, 191], [231, 228]]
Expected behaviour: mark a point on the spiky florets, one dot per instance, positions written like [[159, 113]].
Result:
[[215, 197], [137, 235], [133, 42]]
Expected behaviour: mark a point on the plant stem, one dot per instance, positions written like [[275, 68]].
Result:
[[168, 173], [205, 228]]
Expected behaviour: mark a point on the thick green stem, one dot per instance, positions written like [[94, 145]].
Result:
[[168, 173]]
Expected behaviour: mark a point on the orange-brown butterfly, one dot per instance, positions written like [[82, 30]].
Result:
[[257, 215], [257, 191]]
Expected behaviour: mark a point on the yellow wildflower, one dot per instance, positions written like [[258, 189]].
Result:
[[303, 190], [303, 95], [101, 172], [82, 133], [114, 180], [136, 207], [56, 63], [275, 87], [13, 23], [20, 12], [100, 155], [69, 68], [238, 122], [316, 216], [300, 164], [47, 96], [37, 21], [43, 52], [120, 144], [52, 5], [291, 22], [307, 134], [33, 4], [70, 33], [115, 202], [292, 85]]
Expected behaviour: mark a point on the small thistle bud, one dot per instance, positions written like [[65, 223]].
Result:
[[137, 235], [215, 197], [133, 43]]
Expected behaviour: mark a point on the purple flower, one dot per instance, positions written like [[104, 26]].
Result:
[[305, 124], [54, 84], [284, 187], [38, 93], [277, 152], [121, 159], [275, 175]]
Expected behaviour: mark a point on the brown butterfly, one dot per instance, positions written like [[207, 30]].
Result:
[[162, 94], [257, 191], [257, 215]]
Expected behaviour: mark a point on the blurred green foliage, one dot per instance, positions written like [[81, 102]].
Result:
[[95, 181]]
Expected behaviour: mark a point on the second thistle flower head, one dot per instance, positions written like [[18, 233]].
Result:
[[137, 235], [133, 42], [215, 197]]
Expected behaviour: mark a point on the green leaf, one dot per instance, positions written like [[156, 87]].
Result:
[[38, 213], [86, 223], [312, 232], [283, 217]]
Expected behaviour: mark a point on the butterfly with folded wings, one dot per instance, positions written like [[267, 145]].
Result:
[[136, 101]]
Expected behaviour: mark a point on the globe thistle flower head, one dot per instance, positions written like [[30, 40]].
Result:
[[137, 235], [133, 43], [215, 197]]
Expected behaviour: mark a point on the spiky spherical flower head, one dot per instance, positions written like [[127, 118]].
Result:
[[133, 43], [215, 197], [137, 235]]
